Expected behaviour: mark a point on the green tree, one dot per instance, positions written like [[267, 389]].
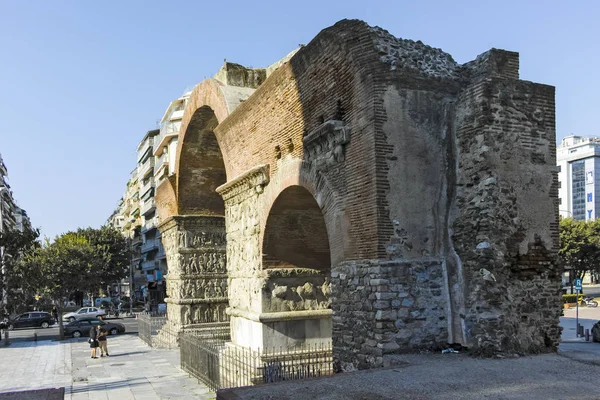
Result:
[[116, 256], [14, 245], [59, 268], [579, 245]]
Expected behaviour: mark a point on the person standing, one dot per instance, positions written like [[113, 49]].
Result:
[[102, 342], [93, 341], [55, 314]]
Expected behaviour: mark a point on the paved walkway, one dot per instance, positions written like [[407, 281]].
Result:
[[35, 365], [587, 317], [133, 371]]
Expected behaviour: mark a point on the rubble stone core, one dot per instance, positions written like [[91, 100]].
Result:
[[376, 194]]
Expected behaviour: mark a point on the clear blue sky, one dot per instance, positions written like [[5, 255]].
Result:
[[82, 81]]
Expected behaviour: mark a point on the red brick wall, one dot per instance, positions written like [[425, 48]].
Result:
[[295, 234]]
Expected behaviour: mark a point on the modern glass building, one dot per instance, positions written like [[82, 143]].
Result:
[[578, 160]]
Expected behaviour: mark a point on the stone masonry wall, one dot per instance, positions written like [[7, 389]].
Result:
[[384, 307], [505, 230]]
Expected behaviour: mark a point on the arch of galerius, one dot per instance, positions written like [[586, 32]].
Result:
[[368, 191]]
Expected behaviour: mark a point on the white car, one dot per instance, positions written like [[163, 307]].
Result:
[[85, 312]]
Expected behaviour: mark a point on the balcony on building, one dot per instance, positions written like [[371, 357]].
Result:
[[149, 224], [149, 245], [149, 206], [161, 255], [147, 168], [149, 265], [168, 130], [145, 148], [146, 186], [161, 167]]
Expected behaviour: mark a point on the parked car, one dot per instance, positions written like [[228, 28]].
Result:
[[85, 312], [30, 320], [82, 327]]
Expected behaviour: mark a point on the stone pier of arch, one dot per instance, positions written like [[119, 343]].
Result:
[[275, 302], [197, 278]]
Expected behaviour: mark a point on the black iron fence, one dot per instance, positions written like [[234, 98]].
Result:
[[149, 325], [219, 364]]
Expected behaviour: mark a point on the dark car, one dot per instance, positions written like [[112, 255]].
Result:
[[30, 320], [82, 327]]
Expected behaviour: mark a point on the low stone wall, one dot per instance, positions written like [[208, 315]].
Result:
[[383, 307]]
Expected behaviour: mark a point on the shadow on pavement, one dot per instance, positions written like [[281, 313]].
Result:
[[107, 385], [113, 355], [41, 394]]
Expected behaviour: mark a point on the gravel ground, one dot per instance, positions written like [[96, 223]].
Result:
[[444, 376]]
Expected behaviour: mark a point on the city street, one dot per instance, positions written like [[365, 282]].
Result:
[[26, 334]]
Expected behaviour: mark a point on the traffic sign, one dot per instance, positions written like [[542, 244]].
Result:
[[578, 284]]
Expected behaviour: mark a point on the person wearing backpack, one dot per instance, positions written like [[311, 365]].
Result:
[[93, 341]]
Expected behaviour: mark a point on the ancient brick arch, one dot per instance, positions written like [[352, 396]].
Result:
[[192, 213], [295, 172], [433, 235], [201, 168], [295, 235]]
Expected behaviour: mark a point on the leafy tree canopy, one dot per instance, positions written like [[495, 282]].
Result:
[[85, 260], [579, 245]]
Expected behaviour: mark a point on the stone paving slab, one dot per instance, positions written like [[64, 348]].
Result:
[[35, 365], [133, 371]]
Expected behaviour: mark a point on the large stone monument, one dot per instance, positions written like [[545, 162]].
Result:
[[375, 194]]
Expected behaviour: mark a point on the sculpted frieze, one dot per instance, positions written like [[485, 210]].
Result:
[[204, 288], [203, 313], [203, 262], [188, 239], [325, 146]]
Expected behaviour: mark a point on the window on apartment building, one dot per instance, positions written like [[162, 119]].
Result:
[[559, 201], [559, 184], [559, 168]]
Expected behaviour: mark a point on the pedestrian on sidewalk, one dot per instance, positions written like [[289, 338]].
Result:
[[102, 333], [93, 341], [55, 314]]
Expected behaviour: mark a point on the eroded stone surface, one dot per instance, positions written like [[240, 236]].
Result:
[[414, 196]]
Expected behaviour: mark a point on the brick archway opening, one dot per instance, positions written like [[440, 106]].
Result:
[[202, 169], [295, 233]]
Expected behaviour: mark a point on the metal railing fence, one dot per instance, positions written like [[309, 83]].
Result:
[[149, 325], [219, 364]]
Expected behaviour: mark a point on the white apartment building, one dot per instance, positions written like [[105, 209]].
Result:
[[165, 145], [578, 160], [12, 217], [136, 215], [8, 220]]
